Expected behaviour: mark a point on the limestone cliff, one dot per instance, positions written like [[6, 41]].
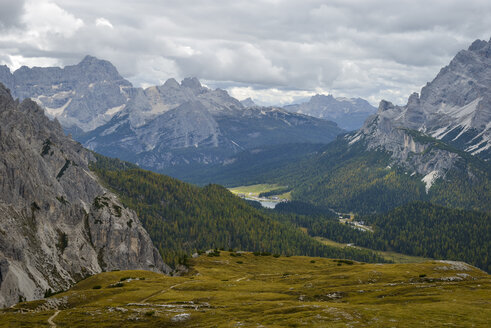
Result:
[[57, 223]]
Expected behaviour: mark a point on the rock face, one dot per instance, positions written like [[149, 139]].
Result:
[[348, 113], [455, 107], [159, 127], [57, 223], [81, 96]]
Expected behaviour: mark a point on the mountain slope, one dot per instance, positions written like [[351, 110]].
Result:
[[183, 219], [418, 229], [57, 223], [349, 114], [349, 177]]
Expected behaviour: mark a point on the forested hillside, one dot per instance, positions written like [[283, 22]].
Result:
[[183, 219], [349, 178], [419, 229]]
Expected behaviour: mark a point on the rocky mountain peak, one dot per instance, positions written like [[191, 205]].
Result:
[[192, 83], [384, 106], [95, 69], [171, 83], [248, 102], [481, 46]]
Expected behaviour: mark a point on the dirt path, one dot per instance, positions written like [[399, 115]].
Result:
[[50, 320], [162, 291]]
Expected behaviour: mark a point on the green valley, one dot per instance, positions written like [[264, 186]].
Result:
[[183, 219]]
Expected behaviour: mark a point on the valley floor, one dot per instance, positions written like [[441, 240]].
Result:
[[389, 256], [232, 290]]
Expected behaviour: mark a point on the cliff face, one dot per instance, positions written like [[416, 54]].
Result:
[[57, 223], [454, 108]]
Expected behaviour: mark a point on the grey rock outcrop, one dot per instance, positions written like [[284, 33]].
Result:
[[348, 113], [57, 223]]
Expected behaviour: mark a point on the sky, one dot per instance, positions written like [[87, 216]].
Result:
[[274, 51]]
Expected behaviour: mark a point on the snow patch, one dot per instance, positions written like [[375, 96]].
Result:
[[57, 111], [429, 179], [237, 144], [438, 134], [114, 110], [355, 139]]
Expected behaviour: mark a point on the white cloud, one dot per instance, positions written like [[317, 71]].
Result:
[[282, 49], [101, 21], [45, 18]]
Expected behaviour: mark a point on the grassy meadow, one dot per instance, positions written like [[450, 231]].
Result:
[[247, 290]]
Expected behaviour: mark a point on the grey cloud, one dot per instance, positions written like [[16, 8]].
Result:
[[361, 48], [10, 13]]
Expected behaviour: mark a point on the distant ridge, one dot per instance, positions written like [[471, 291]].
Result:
[[348, 113]]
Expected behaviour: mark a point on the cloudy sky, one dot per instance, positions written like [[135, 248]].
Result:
[[275, 51]]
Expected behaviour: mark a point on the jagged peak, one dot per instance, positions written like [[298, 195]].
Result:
[[98, 64], [191, 82], [5, 96], [171, 83], [88, 59], [413, 98], [5, 68], [321, 96], [478, 45], [248, 102], [384, 106]]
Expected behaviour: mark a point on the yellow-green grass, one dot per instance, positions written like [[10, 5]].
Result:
[[286, 195], [254, 190], [265, 291], [391, 256]]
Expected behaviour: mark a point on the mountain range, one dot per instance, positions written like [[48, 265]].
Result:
[[176, 125], [348, 113]]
